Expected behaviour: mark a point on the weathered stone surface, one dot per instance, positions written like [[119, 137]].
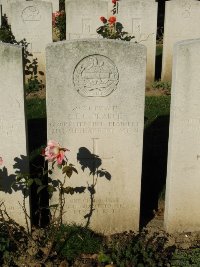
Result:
[[139, 19], [0, 15], [182, 211], [32, 20], [55, 4], [182, 22], [13, 146], [7, 6], [95, 107], [82, 18]]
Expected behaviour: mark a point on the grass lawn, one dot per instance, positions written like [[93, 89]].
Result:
[[156, 106]]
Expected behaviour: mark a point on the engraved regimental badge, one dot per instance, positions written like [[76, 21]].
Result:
[[31, 13], [95, 76]]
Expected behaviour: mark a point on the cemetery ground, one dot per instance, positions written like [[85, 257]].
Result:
[[74, 245]]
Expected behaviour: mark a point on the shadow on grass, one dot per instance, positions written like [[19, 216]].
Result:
[[154, 167]]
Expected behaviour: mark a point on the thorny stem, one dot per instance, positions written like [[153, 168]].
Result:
[[26, 216], [61, 199], [61, 204], [7, 225]]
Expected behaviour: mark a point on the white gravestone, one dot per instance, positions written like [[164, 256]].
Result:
[[32, 20], [182, 211], [12, 129], [139, 19], [7, 6], [83, 18], [95, 107], [0, 15], [182, 22]]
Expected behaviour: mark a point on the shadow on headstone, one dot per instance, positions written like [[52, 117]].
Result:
[[8, 181], [93, 162], [154, 167]]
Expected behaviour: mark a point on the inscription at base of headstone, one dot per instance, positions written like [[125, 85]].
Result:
[[182, 209], [97, 112], [13, 146]]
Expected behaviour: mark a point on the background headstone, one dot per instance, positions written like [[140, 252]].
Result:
[[83, 18], [7, 6], [95, 107], [182, 22], [139, 19], [182, 211], [32, 20], [0, 15], [12, 128], [55, 4]]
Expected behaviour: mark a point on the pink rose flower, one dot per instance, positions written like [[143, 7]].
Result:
[[54, 152], [54, 16], [1, 161]]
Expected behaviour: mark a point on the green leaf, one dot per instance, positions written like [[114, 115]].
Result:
[[40, 188], [50, 189], [30, 182], [74, 170], [59, 166], [38, 181], [67, 170]]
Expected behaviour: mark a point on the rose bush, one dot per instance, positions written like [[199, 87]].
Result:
[[59, 23], [111, 28]]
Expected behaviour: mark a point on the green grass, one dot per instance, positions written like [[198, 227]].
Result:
[[156, 106], [186, 258], [35, 108], [159, 49], [74, 240]]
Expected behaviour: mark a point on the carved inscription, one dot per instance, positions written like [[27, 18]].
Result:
[[8, 129], [95, 76], [106, 205], [136, 27], [188, 125], [31, 13], [100, 119], [86, 25]]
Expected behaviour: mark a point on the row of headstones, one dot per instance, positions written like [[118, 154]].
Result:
[[95, 108], [139, 18]]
